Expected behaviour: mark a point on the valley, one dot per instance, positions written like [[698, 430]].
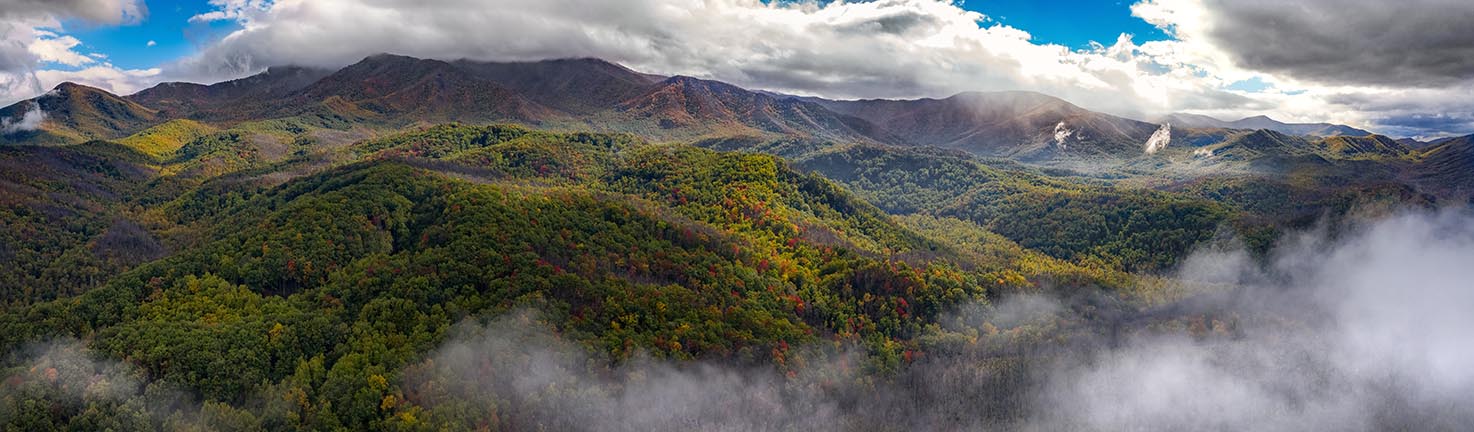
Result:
[[416, 244]]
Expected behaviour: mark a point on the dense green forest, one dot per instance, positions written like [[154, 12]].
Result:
[[194, 278], [300, 304], [435, 244]]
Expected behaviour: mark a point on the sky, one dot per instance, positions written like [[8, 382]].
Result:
[[1404, 71]]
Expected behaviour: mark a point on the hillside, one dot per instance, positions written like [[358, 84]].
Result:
[[627, 247], [66, 228], [338, 235], [1369, 146], [166, 138], [1448, 167], [1263, 122], [189, 100], [579, 86], [683, 105], [404, 90], [1065, 220], [1023, 125], [73, 113]]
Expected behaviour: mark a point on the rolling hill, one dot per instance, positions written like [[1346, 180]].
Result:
[[577, 86], [404, 90], [1368, 146], [1023, 125], [76, 113], [1263, 122], [1448, 167], [711, 107], [181, 99], [335, 233]]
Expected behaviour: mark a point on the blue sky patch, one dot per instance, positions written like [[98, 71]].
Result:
[[1072, 23]]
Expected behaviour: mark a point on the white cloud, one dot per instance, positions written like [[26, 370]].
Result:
[[29, 121], [1362, 331], [882, 48], [1379, 340], [105, 76], [1399, 71], [59, 49], [32, 38], [151, 43], [886, 48], [231, 10]]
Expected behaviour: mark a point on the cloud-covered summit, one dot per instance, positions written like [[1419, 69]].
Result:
[[1354, 62], [907, 49]]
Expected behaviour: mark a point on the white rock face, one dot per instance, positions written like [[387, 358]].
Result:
[[1159, 139]]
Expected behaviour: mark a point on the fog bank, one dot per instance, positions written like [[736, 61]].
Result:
[[1366, 330]]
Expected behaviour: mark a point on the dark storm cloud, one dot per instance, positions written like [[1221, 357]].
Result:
[[897, 24], [1407, 43], [13, 53], [1428, 125], [1429, 121]]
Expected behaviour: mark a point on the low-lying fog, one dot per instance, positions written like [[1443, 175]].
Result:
[[1370, 329]]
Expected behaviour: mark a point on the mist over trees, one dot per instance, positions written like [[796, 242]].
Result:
[[1356, 330], [413, 244]]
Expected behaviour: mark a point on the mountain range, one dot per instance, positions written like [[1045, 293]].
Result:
[[394, 91], [347, 249], [1262, 122], [270, 111]]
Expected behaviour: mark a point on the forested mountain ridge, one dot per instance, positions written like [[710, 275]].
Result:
[[72, 113], [1022, 125], [660, 249], [183, 99], [306, 249], [593, 94], [380, 93], [1263, 122]]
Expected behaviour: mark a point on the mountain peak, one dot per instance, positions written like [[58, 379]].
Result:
[[682, 79], [71, 90], [590, 61], [1189, 120], [690, 82], [415, 88], [381, 63], [76, 112], [286, 70], [576, 85], [587, 62], [385, 60], [1010, 94], [1262, 122], [970, 93], [388, 57], [68, 87], [1266, 132]]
